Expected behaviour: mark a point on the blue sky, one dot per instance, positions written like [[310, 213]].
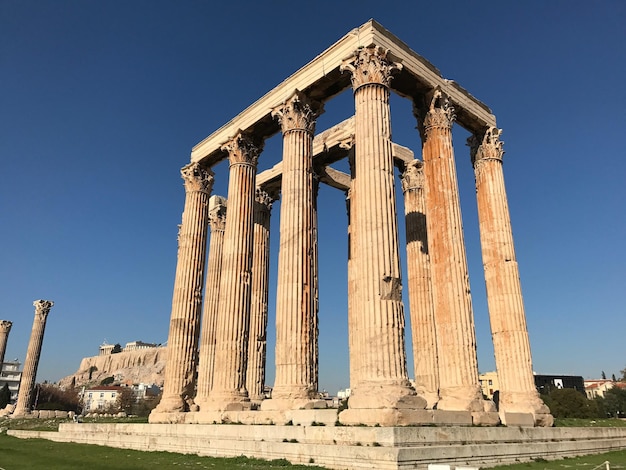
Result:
[[101, 102]]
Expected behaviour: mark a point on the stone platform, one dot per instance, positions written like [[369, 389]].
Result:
[[348, 447]]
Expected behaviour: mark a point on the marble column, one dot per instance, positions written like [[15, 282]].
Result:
[[182, 343], [295, 384], [419, 285], [233, 318], [206, 361], [459, 388], [29, 374], [257, 346], [5, 329], [504, 293], [383, 384]]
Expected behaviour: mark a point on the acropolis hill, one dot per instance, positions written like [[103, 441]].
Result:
[[138, 366]]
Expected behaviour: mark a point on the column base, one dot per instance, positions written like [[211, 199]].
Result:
[[464, 399], [283, 404], [227, 401], [372, 395], [522, 408], [171, 404]]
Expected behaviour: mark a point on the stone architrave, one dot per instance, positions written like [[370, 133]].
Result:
[[459, 387], [295, 385], [383, 384], [182, 343], [518, 393], [206, 361], [5, 329], [233, 319], [257, 346], [420, 285], [29, 374]]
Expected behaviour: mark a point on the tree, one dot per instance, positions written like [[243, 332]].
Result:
[[92, 369], [116, 349], [603, 376], [5, 396], [615, 402], [623, 372], [125, 400], [52, 397], [570, 403], [107, 380], [613, 378]]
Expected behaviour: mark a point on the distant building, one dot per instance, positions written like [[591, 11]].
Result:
[[547, 383], [597, 388], [11, 375], [489, 384], [100, 398], [343, 394], [106, 349], [135, 345]]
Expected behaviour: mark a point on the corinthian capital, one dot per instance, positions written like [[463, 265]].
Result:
[[242, 149], [487, 147], [5, 326], [197, 178], [217, 213], [413, 176], [370, 64], [435, 111], [42, 307], [297, 113]]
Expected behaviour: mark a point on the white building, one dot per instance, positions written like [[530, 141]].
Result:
[[11, 375], [101, 398]]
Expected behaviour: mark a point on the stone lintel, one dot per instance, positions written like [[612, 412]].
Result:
[[321, 79], [329, 147]]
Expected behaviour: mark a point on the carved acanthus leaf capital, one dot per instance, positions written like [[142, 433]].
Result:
[[489, 147], [435, 112], [413, 176], [371, 64], [264, 198], [298, 113], [42, 307], [242, 149], [217, 213], [5, 326], [197, 178]]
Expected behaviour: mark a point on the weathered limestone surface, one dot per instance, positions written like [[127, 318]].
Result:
[[5, 329], [206, 361], [504, 293], [295, 322], [33, 353], [233, 319], [178, 388], [349, 447], [140, 366], [420, 286], [257, 347], [456, 338], [382, 375]]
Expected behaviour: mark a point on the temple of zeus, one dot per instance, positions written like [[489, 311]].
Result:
[[216, 364]]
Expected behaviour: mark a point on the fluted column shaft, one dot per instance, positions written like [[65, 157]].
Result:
[[382, 375], [257, 347], [5, 329], [182, 342], [456, 338], [29, 373], [419, 285], [295, 322], [233, 320], [206, 362], [504, 293]]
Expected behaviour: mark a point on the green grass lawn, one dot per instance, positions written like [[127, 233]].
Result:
[[40, 454]]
